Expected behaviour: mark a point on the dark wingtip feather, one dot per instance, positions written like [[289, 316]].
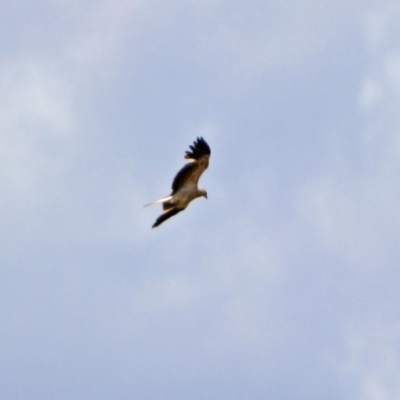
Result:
[[199, 148], [166, 215]]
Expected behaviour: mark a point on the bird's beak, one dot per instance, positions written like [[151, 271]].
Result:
[[206, 196]]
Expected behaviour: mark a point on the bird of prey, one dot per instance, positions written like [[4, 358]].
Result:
[[184, 186]]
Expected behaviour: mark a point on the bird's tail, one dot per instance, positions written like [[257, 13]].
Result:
[[163, 200]]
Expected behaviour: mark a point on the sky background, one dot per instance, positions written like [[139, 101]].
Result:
[[284, 284]]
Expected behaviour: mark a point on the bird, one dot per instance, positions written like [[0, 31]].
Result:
[[185, 184]]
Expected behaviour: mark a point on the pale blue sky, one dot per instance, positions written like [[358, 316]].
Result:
[[284, 284]]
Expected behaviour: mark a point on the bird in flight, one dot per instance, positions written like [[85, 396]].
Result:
[[184, 186]]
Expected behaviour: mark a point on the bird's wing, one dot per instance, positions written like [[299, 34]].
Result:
[[198, 149], [199, 156], [168, 214]]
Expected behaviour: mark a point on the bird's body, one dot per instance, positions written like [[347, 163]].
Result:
[[185, 184]]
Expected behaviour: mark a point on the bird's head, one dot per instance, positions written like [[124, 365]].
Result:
[[203, 192]]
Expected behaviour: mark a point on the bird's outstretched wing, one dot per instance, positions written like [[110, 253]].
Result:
[[199, 155], [198, 149], [168, 214]]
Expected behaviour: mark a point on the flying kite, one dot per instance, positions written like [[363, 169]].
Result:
[[184, 186]]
